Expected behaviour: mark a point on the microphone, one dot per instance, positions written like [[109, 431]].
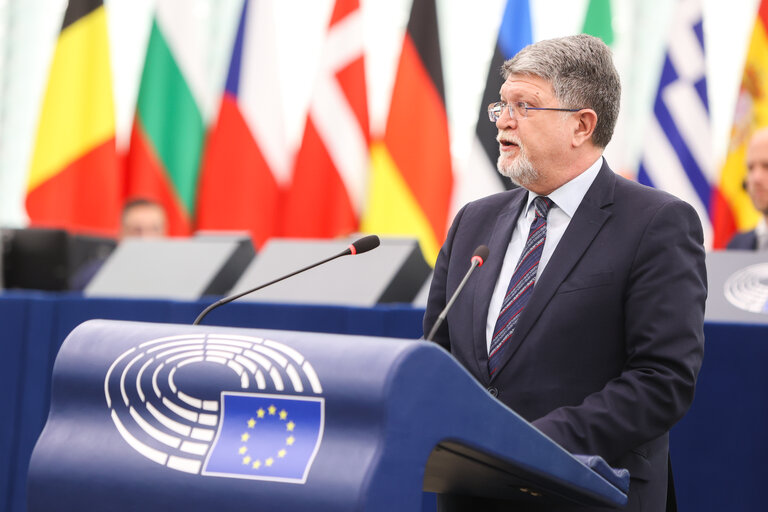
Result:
[[477, 260], [360, 246]]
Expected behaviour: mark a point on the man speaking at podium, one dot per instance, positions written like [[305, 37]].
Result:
[[587, 319]]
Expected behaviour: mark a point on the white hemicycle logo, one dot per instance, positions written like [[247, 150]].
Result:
[[177, 427], [747, 288]]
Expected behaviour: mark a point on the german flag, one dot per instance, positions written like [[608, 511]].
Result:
[[411, 176], [731, 208], [74, 179]]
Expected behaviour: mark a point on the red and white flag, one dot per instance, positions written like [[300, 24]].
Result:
[[329, 177], [246, 160]]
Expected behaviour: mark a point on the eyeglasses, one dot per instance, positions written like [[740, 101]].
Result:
[[518, 109]]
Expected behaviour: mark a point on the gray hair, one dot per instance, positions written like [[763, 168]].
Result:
[[581, 71]]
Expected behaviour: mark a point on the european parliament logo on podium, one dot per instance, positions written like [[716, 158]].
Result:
[[245, 427]]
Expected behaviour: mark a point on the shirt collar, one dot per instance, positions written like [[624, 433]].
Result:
[[761, 232], [762, 227], [568, 197]]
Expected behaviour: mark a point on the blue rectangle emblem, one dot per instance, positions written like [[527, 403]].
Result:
[[266, 437]]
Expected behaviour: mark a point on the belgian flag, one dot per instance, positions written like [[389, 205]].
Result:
[[74, 179], [411, 177]]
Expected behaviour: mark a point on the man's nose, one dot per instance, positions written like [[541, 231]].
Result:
[[505, 120]]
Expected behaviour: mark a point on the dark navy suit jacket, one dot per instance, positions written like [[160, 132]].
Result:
[[746, 241], [605, 355]]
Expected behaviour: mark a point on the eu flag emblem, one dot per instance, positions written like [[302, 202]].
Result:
[[266, 437]]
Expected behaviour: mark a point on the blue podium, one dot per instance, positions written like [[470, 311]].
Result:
[[170, 417]]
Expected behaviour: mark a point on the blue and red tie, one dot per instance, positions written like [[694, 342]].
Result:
[[521, 285]]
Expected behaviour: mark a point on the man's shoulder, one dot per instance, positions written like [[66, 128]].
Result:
[[630, 188], [637, 198], [746, 240]]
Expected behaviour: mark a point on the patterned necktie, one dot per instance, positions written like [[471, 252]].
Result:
[[521, 284]]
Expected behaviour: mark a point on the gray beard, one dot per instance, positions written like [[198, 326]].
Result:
[[520, 170]]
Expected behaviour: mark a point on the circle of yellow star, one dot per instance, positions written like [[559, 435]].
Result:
[[245, 437]]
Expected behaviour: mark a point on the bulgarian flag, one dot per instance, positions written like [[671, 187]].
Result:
[[328, 185], [166, 140], [597, 20], [411, 176], [731, 208], [246, 156], [74, 180]]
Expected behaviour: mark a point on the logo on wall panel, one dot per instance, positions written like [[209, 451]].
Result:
[[256, 415], [747, 288]]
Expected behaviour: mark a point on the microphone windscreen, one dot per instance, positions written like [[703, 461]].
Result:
[[365, 244], [482, 253]]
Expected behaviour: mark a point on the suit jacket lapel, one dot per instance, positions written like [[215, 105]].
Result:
[[584, 226], [487, 277]]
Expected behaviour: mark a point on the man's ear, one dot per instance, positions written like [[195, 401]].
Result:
[[586, 122]]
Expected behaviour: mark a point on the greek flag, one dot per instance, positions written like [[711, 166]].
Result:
[[266, 437], [676, 155]]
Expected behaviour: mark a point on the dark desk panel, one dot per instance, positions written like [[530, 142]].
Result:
[[13, 321], [720, 447]]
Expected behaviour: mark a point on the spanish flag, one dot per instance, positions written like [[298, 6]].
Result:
[[74, 180], [731, 208], [411, 177]]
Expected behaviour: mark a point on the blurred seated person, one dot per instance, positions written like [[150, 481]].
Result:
[[756, 185], [140, 218], [143, 218]]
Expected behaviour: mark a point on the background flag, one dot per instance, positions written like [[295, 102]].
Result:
[[166, 140], [677, 156], [479, 176], [238, 190], [597, 20], [74, 179], [732, 209], [411, 177], [329, 177]]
